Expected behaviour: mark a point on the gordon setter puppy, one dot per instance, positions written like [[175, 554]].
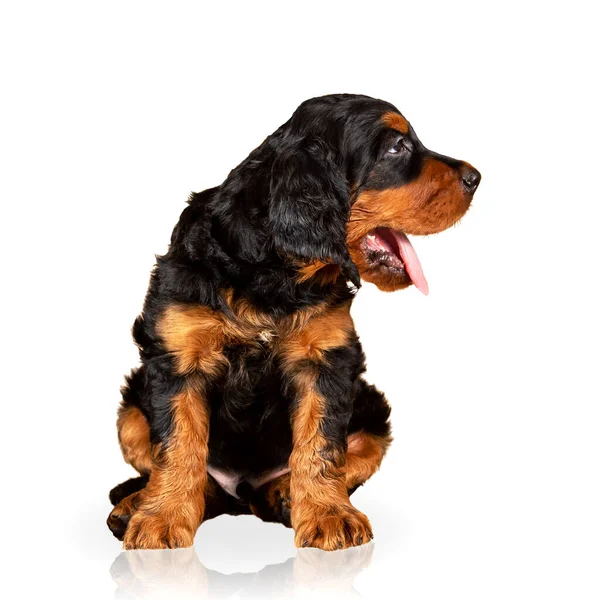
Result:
[[249, 397]]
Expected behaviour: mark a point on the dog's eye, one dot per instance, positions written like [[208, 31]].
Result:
[[400, 145]]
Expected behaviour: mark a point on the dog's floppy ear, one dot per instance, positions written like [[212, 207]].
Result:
[[309, 206]]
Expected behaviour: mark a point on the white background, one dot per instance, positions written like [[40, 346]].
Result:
[[112, 112]]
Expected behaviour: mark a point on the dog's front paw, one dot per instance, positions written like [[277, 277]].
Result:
[[331, 527], [148, 531]]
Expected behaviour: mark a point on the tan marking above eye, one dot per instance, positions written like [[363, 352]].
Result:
[[395, 121]]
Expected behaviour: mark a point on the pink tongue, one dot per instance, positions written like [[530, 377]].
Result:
[[411, 262]]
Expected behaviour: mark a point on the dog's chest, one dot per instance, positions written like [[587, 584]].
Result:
[[201, 339], [237, 357], [250, 430]]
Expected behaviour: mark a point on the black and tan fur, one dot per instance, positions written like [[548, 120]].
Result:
[[251, 369]]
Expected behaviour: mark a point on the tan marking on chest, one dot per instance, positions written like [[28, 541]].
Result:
[[322, 272], [197, 335], [323, 332]]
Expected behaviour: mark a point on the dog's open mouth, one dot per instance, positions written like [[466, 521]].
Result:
[[392, 250]]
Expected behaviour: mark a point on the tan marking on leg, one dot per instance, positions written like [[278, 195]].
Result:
[[134, 438], [363, 458], [315, 478], [172, 504], [321, 513]]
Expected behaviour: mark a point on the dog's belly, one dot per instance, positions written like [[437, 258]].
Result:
[[230, 481]]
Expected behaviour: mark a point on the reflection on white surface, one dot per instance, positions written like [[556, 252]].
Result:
[[180, 574]]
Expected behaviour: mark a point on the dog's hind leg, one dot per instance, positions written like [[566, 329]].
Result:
[[134, 438], [369, 434], [121, 491], [367, 442]]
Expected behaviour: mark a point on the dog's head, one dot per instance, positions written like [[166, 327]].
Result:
[[408, 190], [348, 180]]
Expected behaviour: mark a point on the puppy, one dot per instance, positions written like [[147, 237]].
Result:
[[249, 398]]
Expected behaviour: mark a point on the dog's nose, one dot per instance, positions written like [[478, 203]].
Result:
[[470, 178]]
